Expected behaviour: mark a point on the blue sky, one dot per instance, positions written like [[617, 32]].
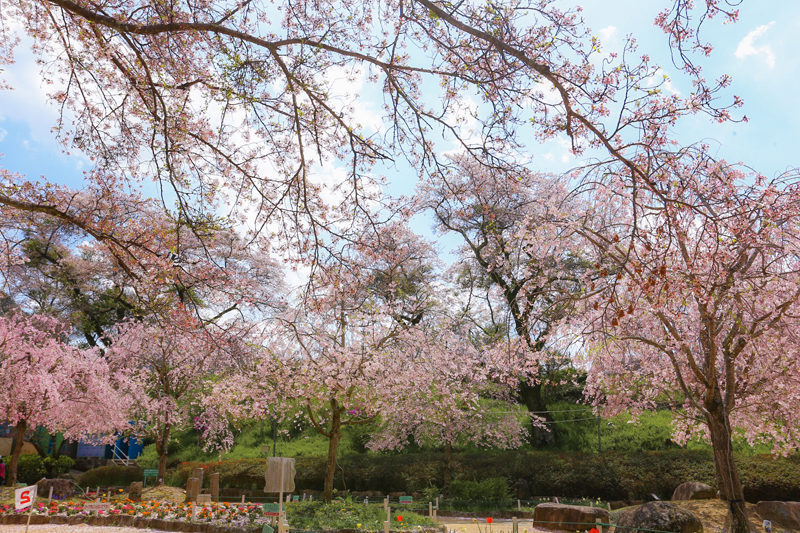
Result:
[[759, 52]]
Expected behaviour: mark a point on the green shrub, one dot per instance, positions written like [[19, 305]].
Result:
[[148, 458], [492, 491], [30, 469], [56, 467], [347, 514], [110, 476]]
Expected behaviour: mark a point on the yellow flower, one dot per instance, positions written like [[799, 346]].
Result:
[[358, 526]]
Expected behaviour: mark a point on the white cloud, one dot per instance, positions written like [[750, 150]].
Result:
[[3, 134], [606, 34], [747, 46]]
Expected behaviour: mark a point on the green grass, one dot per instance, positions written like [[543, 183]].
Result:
[[248, 445]]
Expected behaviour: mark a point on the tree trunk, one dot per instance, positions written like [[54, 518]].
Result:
[[448, 466], [333, 448], [19, 439], [533, 398], [730, 486], [161, 448]]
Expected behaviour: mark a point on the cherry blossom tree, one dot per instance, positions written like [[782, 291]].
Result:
[[519, 263], [461, 394], [232, 106], [49, 383], [163, 370], [694, 300], [221, 275]]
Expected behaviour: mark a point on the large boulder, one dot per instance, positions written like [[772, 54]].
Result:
[[786, 514], [135, 491], [660, 516], [563, 517], [62, 488], [693, 490]]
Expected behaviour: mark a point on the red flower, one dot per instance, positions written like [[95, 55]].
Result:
[[399, 518], [489, 520]]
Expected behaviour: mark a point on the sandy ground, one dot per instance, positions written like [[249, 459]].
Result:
[[468, 525], [72, 529]]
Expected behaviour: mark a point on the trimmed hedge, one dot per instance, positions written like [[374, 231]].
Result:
[[110, 476], [610, 476]]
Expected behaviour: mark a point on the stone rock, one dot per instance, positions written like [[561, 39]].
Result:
[[135, 491], [786, 514], [693, 490], [62, 488], [563, 517], [661, 516]]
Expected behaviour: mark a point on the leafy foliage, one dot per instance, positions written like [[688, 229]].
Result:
[[347, 514], [493, 490]]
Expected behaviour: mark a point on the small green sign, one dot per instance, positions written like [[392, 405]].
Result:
[[295, 498], [267, 529], [271, 509], [151, 472], [406, 499]]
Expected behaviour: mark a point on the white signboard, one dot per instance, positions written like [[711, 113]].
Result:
[[96, 506], [279, 476], [23, 498]]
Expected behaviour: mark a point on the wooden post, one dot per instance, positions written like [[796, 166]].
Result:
[[386, 504], [242, 498], [598, 524], [514, 525], [30, 512], [280, 496], [50, 496], [430, 510], [519, 505], [388, 517], [214, 486]]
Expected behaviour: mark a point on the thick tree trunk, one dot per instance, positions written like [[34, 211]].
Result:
[[730, 486], [448, 466], [533, 398], [333, 448], [161, 448], [16, 450]]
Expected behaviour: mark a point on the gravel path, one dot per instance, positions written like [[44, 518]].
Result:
[[59, 528]]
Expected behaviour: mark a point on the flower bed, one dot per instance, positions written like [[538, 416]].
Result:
[[212, 517], [215, 517]]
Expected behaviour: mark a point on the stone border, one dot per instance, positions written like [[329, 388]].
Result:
[[125, 521]]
